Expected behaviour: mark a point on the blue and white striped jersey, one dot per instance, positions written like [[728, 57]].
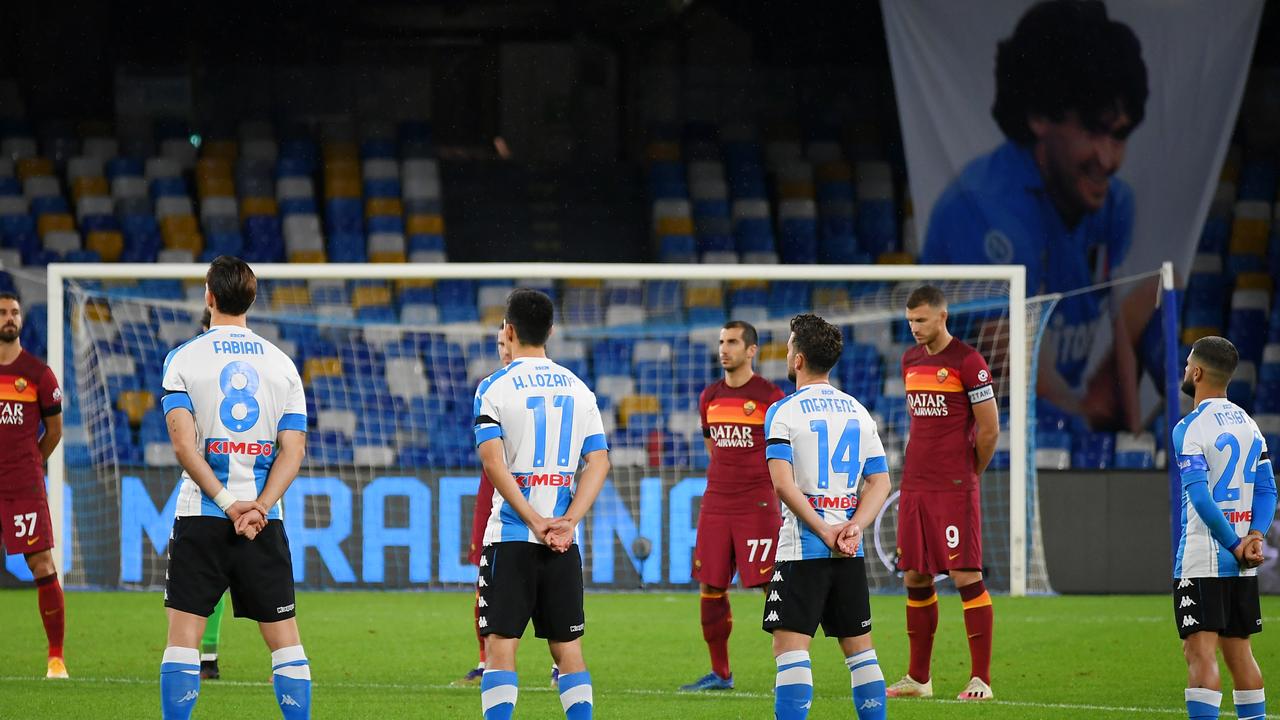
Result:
[[547, 419], [1220, 439], [831, 442], [242, 391]]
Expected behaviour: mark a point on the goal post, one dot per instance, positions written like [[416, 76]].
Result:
[[1018, 334]]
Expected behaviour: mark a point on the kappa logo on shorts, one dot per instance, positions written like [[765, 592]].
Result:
[[480, 582], [1186, 602], [774, 597], [481, 603], [285, 608], [1186, 583], [772, 617], [1188, 621], [484, 561], [777, 576], [482, 621]]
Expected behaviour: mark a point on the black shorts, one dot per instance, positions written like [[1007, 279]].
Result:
[[206, 557], [1228, 606], [831, 592], [522, 581]]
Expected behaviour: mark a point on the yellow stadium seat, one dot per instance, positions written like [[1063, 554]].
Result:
[[341, 187], [795, 190], [414, 282], [387, 256], [367, 295], [709, 296], [291, 296], [251, 206], [222, 149], [662, 151], [87, 186], [773, 351], [748, 285], [896, 258], [178, 224], [321, 367], [185, 240], [493, 316], [340, 151], [583, 283], [212, 166], [1249, 236], [425, 225], [830, 297], [215, 186], [1254, 281], [55, 222], [307, 256], [674, 226], [109, 244], [383, 206], [135, 404], [636, 405], [97, 312], [1192, 334], [34, 167], [833, 172]]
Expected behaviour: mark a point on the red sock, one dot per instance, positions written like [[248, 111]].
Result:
[[978, 622], [922, 623], [479, 637], [717, 623], [52, 612]]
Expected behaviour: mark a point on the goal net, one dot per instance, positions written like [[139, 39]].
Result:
[[391, 355]]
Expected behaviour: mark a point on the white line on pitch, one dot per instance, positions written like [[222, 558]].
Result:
[[622, 691]]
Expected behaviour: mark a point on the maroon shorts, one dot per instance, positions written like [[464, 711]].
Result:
[[748, 541], [25, 524], [480, 519], [939, 531]]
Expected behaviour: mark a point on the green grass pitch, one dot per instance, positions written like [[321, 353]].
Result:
[[392, 655]]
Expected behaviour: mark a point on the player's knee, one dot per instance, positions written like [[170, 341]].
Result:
[[40, 564], [914, 579]]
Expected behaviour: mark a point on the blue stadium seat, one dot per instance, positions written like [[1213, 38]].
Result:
[[677, 248], [298, 206], [168, 187], [124, 166], [428, 243], [1092, 451], [877, 226], [1214, 236], [347, 247], [754, 235], [798, 241], [382, 188], [378, 148], [385, 224], [49, 204]]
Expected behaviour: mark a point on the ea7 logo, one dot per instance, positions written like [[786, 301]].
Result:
[[1186, 602], [1188, 621]]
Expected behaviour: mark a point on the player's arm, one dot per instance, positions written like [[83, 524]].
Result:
[[291, 448], [589, 483], [181, 423], [1195, 482], [494, 462], [52, 434], [784, 484], [987, 420], [706, 427], [1264, 497]]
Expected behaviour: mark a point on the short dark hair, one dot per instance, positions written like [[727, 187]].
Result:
[[749, 335], [1068, 55], [233, 284], [530, 312], [818, 340], [6, 295], [1217, 354], [929, 295]]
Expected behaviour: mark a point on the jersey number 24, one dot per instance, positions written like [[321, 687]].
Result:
[[1223, 490]]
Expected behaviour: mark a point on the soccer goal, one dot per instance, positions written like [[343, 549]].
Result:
[[391, 355]]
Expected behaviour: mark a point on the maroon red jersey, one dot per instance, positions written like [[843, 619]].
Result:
[[941, 390], [733, 419], [28, 392]]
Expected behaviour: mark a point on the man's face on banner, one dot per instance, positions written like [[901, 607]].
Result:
[[1077, 159]]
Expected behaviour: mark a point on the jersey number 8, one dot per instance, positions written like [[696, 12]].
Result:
[[239, 410]]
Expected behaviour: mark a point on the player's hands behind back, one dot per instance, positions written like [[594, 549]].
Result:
[[248, 517], [559, 534], [1249, 552], [849, 539]]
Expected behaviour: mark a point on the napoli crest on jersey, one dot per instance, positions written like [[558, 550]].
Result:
[[998, 247], [20, 384], [943, 375], [748, 407]]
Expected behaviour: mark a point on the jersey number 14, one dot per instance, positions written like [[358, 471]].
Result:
[[843, 458]]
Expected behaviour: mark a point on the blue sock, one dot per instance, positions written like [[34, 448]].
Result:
[[793, 688], [498, 690], [1250, 704], [868, 685], [179, 682], [575, 695], [291, 677], [1202, 703]]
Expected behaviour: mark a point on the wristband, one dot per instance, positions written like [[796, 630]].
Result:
[[224, 499]]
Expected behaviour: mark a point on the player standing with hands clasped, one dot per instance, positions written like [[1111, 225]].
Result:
[[821, 441], [954, 428], [1215, 596], [237, 419], [29, 396], [534, 421], [738, 520]]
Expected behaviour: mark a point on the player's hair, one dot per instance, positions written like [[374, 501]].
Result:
[[530, 312], [749, 335], [6, 295], [233, 284], [929, 295], [818, 340], [1216, 354], [206, 319], [1068, 55]]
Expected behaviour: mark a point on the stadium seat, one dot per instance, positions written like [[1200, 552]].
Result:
[[1135, 452]]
